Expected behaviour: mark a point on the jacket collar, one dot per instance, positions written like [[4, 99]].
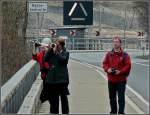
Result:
[[113, 51], [63, 50]]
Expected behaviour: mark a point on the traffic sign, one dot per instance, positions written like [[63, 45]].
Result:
[[53, 32], [72, 32], [97, 33], [140, 33], [37, 6], [78, 12]]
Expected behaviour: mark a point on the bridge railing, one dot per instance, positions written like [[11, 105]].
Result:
[[32, 101], [14, 91], [84, 51]]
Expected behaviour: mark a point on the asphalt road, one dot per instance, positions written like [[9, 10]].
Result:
[[139, 76]]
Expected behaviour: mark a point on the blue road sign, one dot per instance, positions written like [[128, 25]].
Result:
[[78, 12]]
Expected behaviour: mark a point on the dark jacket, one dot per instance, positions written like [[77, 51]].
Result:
[[120, 61], [58, 73]]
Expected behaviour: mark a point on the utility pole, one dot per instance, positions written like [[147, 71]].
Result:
[[100, 19], [125, 24], [38, 25], [100, 22]]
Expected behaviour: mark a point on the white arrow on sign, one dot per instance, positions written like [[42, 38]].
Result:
[[72, 32], [73, 8], [53, 32]]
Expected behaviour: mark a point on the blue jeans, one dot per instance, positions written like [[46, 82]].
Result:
[[114, 89]]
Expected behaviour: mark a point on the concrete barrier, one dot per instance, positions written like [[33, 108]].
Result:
[[14, 91], [31, 102]]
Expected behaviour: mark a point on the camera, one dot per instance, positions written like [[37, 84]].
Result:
[[113, 71], [53, 45], [37, 44]]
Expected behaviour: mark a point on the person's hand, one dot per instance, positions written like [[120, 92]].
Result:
[[46, 49], [117, 72], [109, 70], [37, 44], [55, 48]]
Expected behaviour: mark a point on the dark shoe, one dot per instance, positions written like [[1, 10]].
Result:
[[113, 112]]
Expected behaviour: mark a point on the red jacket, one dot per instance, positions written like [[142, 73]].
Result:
[[39, 58], [120, 61]]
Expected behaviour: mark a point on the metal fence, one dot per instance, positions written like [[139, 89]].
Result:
[[14, 91], [103, 43]]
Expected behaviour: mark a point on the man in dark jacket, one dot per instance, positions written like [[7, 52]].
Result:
[[117, 65], [57, 79]]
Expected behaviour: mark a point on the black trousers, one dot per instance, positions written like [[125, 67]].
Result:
[[114, 89], [54, 104]]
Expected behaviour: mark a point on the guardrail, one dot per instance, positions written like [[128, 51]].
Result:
[[32, 102], [14, 91], [80, 51]]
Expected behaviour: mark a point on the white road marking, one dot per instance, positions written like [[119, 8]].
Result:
[[128, 100], [138, 95], [140, 64]]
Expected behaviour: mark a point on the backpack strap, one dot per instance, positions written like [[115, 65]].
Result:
[[124, 56], [124, 59], [110, 57]]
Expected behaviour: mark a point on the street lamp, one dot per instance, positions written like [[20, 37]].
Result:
[[125, 24]]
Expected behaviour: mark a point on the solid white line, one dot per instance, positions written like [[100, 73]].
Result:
[[104, 76], [128, 100], [132, 90], [86, 65], [140, 64], [138, 95], [133, 105]]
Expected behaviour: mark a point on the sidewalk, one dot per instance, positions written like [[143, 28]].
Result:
[[88, 92]]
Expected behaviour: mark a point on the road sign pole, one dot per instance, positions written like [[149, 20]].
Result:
[[38, 25], [73, 42], [99, 18], [37, 7], [125, 30]]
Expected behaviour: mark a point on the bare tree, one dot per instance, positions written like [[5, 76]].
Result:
[[142, 13]]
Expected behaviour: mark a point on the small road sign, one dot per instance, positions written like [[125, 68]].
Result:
[[37, 6], [72, 32], [97, 33], [53, 32]]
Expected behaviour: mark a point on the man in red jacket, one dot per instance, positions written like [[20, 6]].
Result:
[[117, 65]]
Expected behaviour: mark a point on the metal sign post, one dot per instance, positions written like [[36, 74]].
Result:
[[37, 7]]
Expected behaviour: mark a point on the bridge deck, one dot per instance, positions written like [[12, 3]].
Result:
[[88, 92]]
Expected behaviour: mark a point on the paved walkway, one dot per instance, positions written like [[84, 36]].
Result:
[[89, 93]]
